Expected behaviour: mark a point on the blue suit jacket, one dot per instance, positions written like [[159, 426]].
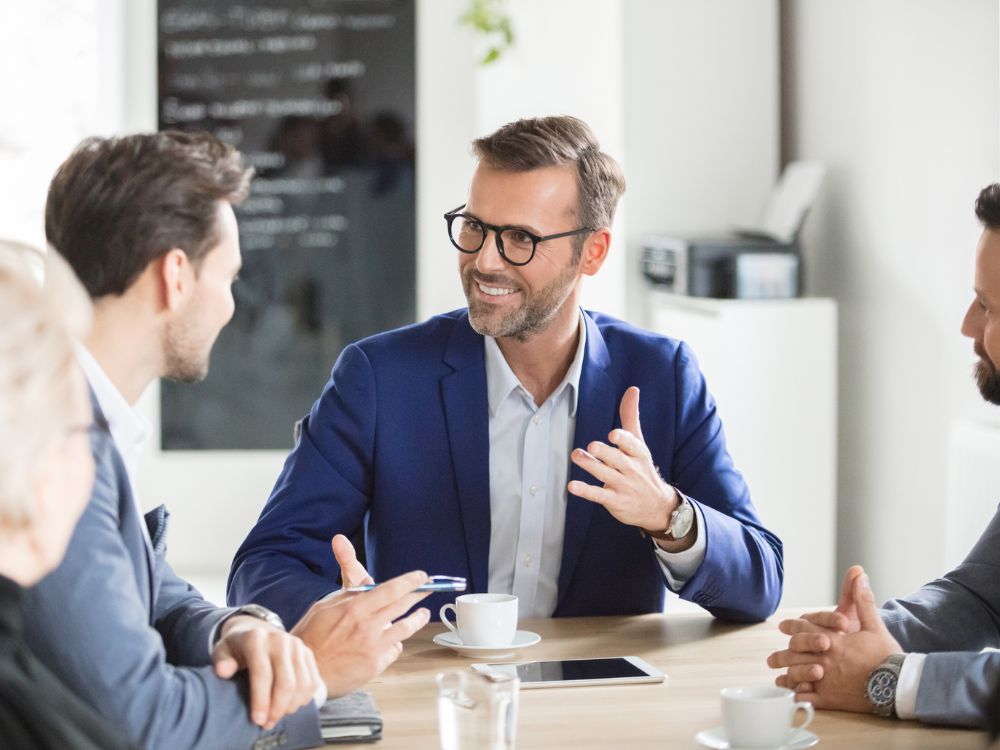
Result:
[[399, 441], [131, 638]]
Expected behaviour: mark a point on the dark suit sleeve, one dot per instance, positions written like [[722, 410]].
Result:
[[956, 688], [185, 620], [957, 612], [324, 489], [740, 578], [951, 620], [90, 625]]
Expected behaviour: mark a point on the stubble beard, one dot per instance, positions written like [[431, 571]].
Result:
[[184, 360], [530, 317]]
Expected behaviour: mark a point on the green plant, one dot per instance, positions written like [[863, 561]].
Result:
[[490, 18]]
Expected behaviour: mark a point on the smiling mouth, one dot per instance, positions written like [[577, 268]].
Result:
[[494, 291]]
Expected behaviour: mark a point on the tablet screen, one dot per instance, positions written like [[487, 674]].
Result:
[[574, 670]]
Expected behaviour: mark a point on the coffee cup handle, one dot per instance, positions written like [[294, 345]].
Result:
[[802, 706], [448, 623]]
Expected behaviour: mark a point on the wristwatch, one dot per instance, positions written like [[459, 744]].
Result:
[[681, 520], [882, 683], [261, 613]]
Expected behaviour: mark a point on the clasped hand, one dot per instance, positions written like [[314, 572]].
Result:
[[831, 654], [343, 641], [632, 489]]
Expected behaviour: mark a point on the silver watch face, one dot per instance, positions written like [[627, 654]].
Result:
[[681, 520], [882, 686]]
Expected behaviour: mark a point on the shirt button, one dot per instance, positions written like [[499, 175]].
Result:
[[536, 419], [534, 489], [527, 561]]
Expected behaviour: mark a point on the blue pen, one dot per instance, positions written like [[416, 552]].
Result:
[[435, 583]]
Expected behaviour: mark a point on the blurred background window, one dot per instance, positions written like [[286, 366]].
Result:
[[320, 98]]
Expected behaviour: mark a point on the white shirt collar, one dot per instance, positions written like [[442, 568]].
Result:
[[501, 380], [129, 427]]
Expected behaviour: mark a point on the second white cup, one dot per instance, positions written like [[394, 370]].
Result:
[[483, 619], [761, 716]]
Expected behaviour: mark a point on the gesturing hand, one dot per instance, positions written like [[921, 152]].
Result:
[[354, 637], [632, 489], [352, 572], [830, 667], [281, 669]]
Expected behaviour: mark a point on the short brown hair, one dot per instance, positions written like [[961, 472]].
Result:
[[559, 141], [117, 204]]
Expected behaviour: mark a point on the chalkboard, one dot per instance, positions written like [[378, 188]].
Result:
[[319, 95]]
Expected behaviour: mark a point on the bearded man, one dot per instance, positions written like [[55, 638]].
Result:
[[502, 442], [932, 655]]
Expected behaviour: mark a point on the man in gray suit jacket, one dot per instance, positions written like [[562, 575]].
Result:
[[922, 656], [147, 223]]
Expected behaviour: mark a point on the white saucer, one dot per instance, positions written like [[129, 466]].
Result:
[[522, 639], [715, 738]]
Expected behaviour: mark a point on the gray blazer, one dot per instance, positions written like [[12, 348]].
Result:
[[951, 620], [132, 639]]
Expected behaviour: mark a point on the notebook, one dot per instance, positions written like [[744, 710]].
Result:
[[351, 718]]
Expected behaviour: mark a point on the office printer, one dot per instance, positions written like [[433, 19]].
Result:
[[761, 262]]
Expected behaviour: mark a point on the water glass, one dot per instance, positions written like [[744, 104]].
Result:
[[476, 712]]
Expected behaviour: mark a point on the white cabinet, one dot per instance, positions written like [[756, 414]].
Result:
[[772, 367]]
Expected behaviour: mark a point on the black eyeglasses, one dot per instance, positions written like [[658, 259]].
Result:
[[516, 245]]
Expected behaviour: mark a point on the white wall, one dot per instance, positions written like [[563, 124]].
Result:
[[702, 130], [900, 98], [53, 95]]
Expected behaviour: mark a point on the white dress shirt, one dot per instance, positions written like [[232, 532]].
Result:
[[129, 427], [908, 685], [529, 468]]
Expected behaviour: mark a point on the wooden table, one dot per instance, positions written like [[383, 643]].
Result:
[[699, 655]]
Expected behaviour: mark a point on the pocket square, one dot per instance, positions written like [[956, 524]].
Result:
[[156, 523]]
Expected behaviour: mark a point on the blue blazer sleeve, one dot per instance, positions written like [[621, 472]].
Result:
[[286, 562], [94, 625], [741, 576]]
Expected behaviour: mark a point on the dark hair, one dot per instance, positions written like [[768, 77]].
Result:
[[117, 204], [557, 141], [988, 206]]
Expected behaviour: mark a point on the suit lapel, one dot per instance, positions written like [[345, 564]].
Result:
[[128, 517], [596, 416], [467, 414]]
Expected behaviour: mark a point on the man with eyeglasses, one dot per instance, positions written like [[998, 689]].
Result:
[[502, 442]]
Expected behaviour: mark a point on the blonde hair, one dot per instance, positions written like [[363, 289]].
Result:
[[37, 361]]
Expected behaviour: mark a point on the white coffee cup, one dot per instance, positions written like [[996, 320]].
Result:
[[761, 716], [483, 619]]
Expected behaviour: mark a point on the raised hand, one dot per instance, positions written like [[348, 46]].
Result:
[[631, 487], [352, 572]]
